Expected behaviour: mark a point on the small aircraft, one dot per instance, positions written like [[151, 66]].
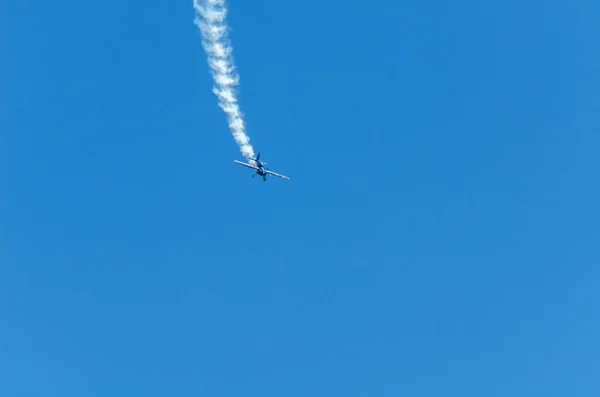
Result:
[[259, 166]]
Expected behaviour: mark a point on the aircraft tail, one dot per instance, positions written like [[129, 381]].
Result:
[[256, 159]]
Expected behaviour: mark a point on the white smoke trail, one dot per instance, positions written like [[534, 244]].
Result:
[[210, 18]]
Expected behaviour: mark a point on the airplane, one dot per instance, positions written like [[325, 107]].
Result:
[[260, 168]]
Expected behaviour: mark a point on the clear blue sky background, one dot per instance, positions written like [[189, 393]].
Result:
[[439, 236]]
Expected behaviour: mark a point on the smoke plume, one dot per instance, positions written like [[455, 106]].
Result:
[[211, 19]]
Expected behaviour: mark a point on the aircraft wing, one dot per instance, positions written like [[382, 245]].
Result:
[[247, 165], [276, 174]]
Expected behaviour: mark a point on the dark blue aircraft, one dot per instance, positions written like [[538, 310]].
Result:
[[259, 166]]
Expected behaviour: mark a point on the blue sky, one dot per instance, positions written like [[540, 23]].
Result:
[[439, 235]]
